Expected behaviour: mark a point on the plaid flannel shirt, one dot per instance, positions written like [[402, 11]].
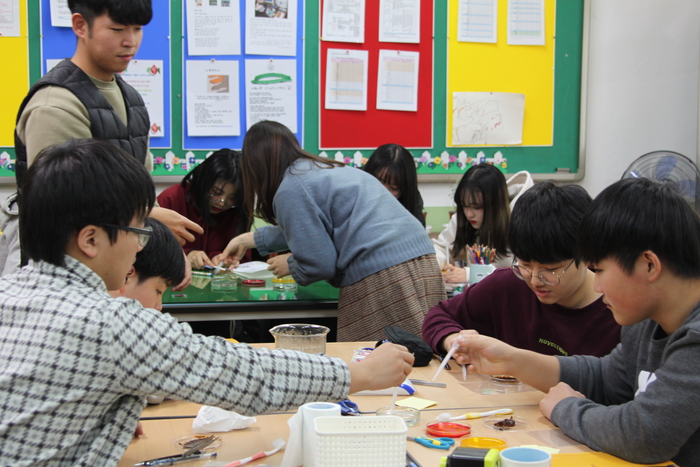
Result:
[[76, 365]]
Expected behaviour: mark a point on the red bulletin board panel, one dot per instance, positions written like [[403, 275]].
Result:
[[351, 129]]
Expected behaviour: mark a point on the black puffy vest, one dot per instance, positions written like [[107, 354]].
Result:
[[105, 124]]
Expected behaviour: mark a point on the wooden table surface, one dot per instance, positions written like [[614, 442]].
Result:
[[165, 423]]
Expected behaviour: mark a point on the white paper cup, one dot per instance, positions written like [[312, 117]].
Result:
[[525, 457]]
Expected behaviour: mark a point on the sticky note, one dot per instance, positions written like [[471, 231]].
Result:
[[416, 403]]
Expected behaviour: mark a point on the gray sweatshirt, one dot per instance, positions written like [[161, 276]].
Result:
[[340, 224], [644, 398]]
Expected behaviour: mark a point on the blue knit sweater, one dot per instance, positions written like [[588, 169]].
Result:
[[340, 224]]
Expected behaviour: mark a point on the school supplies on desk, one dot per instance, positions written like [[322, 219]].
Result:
[[481, 254], [433, 443]]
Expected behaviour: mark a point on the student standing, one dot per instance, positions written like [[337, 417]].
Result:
[[78, 364], [640, 402], [212, 196], [393, 165], [84, 97], [341, 225], [484, 200], [546, 301]]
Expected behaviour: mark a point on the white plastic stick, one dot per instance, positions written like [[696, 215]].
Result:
[[447, 358], [394, 395], [464, 372]]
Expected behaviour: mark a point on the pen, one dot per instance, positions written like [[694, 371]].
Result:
[[420, 382], [176, 459]]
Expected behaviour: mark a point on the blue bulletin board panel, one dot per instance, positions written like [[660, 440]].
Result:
[[213, 143]]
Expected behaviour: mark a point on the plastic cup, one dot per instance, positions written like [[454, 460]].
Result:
[[309, 338], [525, 457], [224, 282], [479, 271], [284, 284]]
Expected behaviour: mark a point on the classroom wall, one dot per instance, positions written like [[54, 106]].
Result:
[[642, 95]]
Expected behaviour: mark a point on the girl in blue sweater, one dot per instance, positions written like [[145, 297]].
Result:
[[341, 225]]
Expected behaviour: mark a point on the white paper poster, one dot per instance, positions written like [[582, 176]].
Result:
[[60, 14], [399, 21], [271, 27], [344, 20], [526, 22], [213, 27], [487, 118], [51, 63], [346, 79], [271, 92], [478, 21], [9, 18], [213, 107], [146, 76], [397, 83]]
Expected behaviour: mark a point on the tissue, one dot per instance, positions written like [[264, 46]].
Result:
[[301, 446], [213, 419]]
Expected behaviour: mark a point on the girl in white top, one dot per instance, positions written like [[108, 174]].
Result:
[[484, 199]]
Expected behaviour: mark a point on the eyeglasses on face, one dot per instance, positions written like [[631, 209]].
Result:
[[144, 233], [218, 197], [549, 277]]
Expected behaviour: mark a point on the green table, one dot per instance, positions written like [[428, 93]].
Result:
[[199, 303]]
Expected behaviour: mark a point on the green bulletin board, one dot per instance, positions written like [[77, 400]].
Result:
[[563, 153]]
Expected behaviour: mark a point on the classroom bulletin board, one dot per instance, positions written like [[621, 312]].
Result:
[[548, 76]]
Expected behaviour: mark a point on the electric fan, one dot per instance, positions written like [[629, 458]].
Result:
[[672, 168]]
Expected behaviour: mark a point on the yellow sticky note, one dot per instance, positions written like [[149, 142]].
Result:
[[416, 403]]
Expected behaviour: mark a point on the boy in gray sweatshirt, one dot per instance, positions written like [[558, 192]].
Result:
[[639, 403]]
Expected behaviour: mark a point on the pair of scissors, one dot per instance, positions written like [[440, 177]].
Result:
[[348, 407], [435, 443]]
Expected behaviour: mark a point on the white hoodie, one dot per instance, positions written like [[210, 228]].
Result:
[[517, 185]]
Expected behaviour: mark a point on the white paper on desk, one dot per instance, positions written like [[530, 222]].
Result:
[[253, 270], [215, 420]]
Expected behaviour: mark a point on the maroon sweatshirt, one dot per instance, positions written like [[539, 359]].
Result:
[[504, 307]]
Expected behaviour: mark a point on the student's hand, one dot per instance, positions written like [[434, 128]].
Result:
[[187, 280], [178, 224], [139, 430], [454, 274], [386, 366], [279, 265], [236, 248], [198, 259], [555, 395], [483, 354]]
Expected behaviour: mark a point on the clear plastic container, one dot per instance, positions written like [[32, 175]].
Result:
[[309, 338], [409, 415], [284, 284], [226, 282]]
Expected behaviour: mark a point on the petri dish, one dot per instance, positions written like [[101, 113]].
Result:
[[409, 415], [505, 384], [484, 442], [505, 423], [448, 429]]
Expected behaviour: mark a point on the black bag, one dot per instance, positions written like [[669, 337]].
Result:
[[420, 350]]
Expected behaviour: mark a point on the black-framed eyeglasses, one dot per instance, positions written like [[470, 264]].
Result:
[[548, 277], [144, 233]]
